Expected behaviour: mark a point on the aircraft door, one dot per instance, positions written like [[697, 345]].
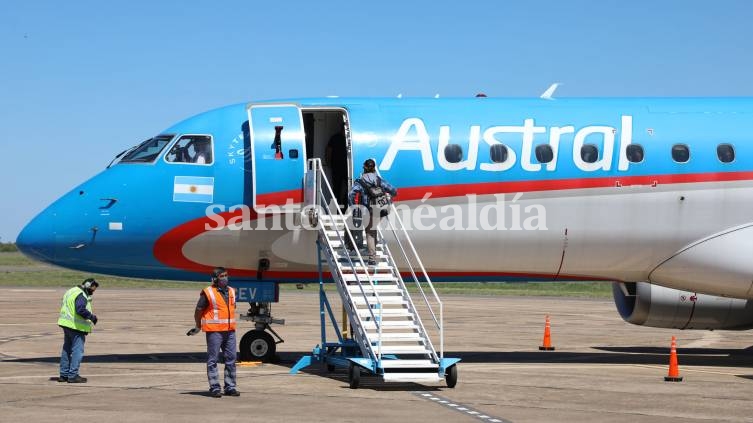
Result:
[[278, 154]]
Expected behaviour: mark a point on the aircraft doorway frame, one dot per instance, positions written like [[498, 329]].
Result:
[[321, 125]]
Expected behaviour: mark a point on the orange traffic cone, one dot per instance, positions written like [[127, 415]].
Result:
[[674, 370], [547, 337]]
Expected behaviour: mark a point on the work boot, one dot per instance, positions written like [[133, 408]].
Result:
[[77, 379], [215, 394], [232, 393], [62, 379]]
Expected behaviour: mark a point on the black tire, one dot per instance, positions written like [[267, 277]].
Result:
[[257, 345], [451, 376], [354, 376]]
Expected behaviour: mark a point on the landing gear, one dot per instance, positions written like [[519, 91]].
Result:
[[258, 344], [451, 376]]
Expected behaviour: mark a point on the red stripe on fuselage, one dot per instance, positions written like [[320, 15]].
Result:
[[168, 249], [489, 188]]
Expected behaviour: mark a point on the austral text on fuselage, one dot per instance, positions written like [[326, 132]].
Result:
[[413, 136]]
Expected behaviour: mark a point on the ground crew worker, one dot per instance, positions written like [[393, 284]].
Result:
[[76, 319], [215, 315]]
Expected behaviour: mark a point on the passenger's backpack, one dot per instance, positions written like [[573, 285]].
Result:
[[378, 197]]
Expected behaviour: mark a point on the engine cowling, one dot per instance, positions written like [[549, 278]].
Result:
[[644, 304]]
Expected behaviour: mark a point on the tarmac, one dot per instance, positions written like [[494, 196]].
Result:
[[143, 368]]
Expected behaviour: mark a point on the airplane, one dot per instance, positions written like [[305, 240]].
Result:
[[653, 194]]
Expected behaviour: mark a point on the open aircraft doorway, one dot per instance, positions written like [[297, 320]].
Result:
[[328, 139]]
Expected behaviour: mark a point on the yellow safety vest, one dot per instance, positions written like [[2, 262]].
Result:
[[68, 317]]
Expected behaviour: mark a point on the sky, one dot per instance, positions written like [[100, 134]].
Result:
[[81, 81]]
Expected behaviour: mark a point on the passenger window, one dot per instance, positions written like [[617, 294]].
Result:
[[453, 153], [726, 153], [195, 149], [589, 153], [498, 153], [634, 153], [544, 153], [680, 153]]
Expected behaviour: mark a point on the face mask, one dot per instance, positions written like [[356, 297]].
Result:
[[222, 282]]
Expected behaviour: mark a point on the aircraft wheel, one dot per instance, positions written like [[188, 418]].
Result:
[[451, 376], [257, 345], [354, 376]]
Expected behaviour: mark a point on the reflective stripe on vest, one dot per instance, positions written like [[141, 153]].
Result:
[[219, 316], [68, 316]]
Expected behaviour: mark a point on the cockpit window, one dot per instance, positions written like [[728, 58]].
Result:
[[196, 149], [148, 150]]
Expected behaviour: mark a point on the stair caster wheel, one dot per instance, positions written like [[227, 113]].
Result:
[[451, 376], [354, 376], [257, 345]]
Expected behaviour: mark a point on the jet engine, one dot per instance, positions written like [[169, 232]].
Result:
[[645, 304]]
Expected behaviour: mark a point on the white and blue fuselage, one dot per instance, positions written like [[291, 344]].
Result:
[[657, 190]]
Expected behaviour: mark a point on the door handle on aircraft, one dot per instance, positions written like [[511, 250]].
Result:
[[277, 144]]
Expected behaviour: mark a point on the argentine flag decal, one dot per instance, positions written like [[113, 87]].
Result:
[[195, 189]]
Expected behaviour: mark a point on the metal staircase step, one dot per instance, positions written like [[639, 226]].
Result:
[[332, 231], [390, 324], [379, 289], [342, 253], [412, 377], [410, 364], [396, 337], [353, 277], [402, 349], [359, 300], [381, 265], [333, 219], [384, 312]]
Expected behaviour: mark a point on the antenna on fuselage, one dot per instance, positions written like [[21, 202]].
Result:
[[550, 91]]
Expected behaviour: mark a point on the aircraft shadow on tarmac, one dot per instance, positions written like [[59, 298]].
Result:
[[710, 357], [713, 357]]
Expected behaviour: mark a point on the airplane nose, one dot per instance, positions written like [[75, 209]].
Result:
[[37, 239]]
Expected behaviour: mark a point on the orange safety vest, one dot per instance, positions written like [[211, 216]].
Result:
[[219, 316]]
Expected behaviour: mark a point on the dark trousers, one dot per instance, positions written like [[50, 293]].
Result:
[[72, 353], [224, 342]]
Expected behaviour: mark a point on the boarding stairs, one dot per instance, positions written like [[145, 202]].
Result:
[[386, 326]]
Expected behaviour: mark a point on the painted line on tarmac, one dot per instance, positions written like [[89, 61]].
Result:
[[460, 408]]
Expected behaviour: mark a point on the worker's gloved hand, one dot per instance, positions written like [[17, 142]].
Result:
[[94, 319], [193, 331]]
